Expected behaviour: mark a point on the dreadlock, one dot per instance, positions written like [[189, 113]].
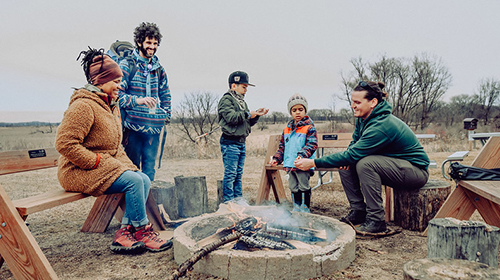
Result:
[[88, 58]]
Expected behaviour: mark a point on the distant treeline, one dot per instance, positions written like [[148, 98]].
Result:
[[3, 124]]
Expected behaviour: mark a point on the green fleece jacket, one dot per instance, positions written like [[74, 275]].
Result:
[[233, 119], [381, 133]]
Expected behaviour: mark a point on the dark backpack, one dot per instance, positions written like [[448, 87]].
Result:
[[119, 51], [465, 172]]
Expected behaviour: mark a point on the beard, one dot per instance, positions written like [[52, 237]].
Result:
[[145, 52]]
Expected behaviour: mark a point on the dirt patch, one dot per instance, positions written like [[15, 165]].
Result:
[[77, 255]]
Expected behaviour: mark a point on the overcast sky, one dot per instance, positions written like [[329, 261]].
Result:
[[285, 46]]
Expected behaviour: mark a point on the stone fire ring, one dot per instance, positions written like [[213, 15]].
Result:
[[306, 262]]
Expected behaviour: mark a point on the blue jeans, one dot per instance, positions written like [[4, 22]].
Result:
[[135, 185], [142, 149], [233, 157]]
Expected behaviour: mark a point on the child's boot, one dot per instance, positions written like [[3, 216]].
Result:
[[297, 201], [306, 202]]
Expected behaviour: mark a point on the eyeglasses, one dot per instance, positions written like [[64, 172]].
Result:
[[366, 86]]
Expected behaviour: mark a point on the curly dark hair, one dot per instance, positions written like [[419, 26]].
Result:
[[145, 30], [88, 58]]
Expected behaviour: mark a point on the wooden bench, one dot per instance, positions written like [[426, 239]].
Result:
[[483, 196], [17, 246], [271, 179]]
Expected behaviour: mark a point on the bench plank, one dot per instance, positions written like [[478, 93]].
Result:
[[37, 203], [20, 161]]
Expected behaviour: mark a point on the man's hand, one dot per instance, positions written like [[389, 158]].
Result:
[[148, 101], [304, 163]]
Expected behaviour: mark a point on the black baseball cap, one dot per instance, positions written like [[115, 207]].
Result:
[[239, 77]]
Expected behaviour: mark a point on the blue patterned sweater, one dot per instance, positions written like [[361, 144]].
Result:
[[146, 82]]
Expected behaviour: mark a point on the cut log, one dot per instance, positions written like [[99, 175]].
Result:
[[467, 240], [220, 194], [444, 269], [165, 193], [413, 209], [192, 194]]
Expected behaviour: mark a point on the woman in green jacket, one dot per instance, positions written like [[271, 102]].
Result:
[[383, 151]]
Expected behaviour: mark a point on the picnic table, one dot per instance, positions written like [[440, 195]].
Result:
[[483, 137]]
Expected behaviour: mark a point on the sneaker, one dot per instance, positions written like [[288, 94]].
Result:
[[372, 226], [296, 208], [354, 217], [304, 209], [125, 241], [241, 201], [151, 239]]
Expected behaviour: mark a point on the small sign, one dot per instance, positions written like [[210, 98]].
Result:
[[37, 153], [330, 137]]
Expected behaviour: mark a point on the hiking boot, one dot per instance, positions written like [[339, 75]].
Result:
[[125, 241], [304, 209], [151, 238], [354, 217], [372, 226]]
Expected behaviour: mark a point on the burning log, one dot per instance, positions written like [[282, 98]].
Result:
[[245, 226], [185, 266]]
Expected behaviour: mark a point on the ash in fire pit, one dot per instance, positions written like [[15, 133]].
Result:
[[276, 245]]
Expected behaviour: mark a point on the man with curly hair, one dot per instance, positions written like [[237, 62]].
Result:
[[144, 99]]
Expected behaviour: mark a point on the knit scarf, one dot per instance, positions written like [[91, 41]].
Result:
[[239, 98]]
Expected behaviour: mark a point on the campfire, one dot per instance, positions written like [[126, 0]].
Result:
[[267, 242]]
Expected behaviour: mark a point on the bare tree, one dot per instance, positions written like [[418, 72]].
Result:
[[432, 80], [197, 114], [488, 94], [414, 85]]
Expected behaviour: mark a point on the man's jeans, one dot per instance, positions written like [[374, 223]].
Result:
[[142, 149], [363, 182], [135, 185], [233, 156]]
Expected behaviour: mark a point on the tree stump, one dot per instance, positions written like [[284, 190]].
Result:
[[220, 194], [467, 240], [448, 269], [165, 193], [413, 209], [192, 194]]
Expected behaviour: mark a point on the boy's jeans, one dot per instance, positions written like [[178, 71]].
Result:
[[233, 157], [142, 149], [135, 185]]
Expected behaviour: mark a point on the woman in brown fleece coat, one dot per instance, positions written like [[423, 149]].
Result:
[[92, 159]]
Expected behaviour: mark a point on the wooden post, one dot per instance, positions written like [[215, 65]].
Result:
[[165, 193], [192, 194], [220, 193], [431, 269], [413, 209], [18, 247], [468, 240]]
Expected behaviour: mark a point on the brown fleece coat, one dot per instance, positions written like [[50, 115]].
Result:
[[89, 127]]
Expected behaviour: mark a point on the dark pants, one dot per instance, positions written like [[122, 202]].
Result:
[[142, 149], [363, 182]]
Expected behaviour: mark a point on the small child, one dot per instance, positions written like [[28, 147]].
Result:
[[298, 140]]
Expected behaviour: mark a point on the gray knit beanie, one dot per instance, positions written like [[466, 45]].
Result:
[[297, 99]]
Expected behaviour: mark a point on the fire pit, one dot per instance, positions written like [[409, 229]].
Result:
[[307, 259]]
